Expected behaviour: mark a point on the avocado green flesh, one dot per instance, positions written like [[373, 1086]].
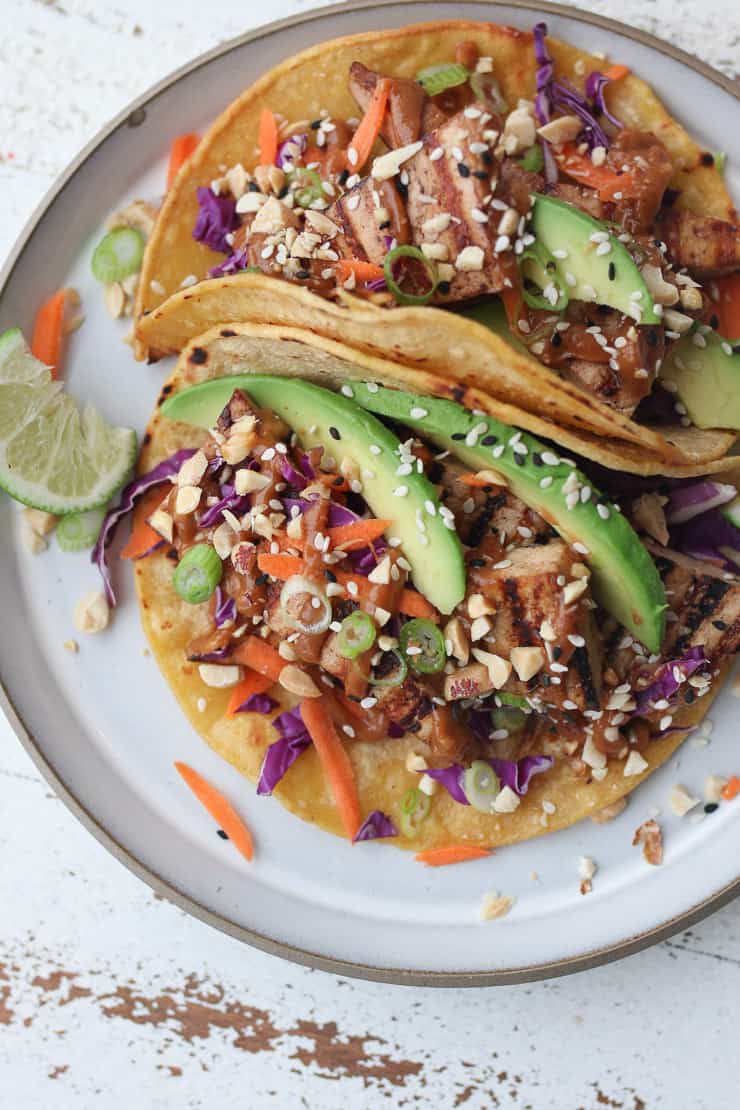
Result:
[[561, 227], [625, 580], [435, 555], [707, 379], [492, 315]]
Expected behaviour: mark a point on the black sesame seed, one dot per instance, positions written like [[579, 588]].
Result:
[[402, 189], [315, 124], [458, 436], [338, 481], [262, 579], [172, 554], [343, 177], [537, 459], [545, 679], [721, 625], [710, 807], [481, 175], [714, 320], [222, 834], [443, 287], [557, 651], [477, 562], [689, 697], [385, 224], [652, 336], [707, 159], [330, 575], [612, 271], [486, 158], [463, 170], [334, 433], [556, 339], [488, 441], [519, 459], [303, 274], [283, 192], [253, 187]]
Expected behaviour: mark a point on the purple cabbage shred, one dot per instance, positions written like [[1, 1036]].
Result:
[[225, 610], [216, 219], [235, 502], [375, 826], [666, 684], [516, 774], [168, 468], [257, 703], [280, 756]]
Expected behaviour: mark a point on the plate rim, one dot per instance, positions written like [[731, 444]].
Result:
[[131, 114]]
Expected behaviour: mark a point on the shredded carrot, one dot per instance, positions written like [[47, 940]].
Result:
[[280, 566], [513, 301], [367, 132], [252, 683], [412, 604], [362, 271], [454, 853], [358, 534], [615, 72], [219, 808], [49, 330], [603, 180], [473, 480], [143, 537], [268, 138], [258, 655], [727, 308], [335, 762], [181, 149], [731, 789]]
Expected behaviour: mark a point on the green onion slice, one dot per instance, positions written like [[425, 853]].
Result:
[[396, 677], [481, 785], [76, 531], [415, 807], [304, 605], [446, 75], [508, 717], [307, 185], [538, 266], [515, 700], [118, 254], [533, 160], [357, 634], [198, 573], [409, 252], [427, 654], [487, 89]]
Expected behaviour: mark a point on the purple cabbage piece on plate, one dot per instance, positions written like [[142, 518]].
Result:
[[375, 826], [280, 756]]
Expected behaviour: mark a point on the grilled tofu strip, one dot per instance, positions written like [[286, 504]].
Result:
[[705, 246], [707, 611]]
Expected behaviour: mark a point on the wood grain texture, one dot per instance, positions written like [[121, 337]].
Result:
[[111, 997]]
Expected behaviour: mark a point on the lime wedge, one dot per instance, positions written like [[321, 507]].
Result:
[[52, 456]]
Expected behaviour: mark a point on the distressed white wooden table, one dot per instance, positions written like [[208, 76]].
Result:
[[110, 997]]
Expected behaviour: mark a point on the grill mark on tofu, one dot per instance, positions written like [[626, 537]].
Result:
[[520, 623], [581, 662]]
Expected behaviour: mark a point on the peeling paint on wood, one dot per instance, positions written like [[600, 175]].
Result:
[[109, 995]]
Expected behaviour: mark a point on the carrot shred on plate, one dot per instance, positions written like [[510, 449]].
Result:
[[268, 138], [453, 853], [731, 789], [335, 762], [369, 127], [260, 656], [252, 683], [143, 537], [616, 71], [220, 809], [358, 534], [727, 307], [49, 329], [181, 149], [362, 271]]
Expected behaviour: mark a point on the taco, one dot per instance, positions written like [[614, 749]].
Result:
[[405, 617], [541, 230]]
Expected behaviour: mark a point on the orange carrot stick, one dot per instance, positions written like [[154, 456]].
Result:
[[280, 566], [268, 138], [367, 132], [731, 789], [260, 656], [616, 71], [727, 308], [219, 808], [454, 853], [49, 329], [473, 480], [181, 149], [363, 271], [412, 604], [335, 762], [143, 537], [605, 181], [252, 683], [358, 534]]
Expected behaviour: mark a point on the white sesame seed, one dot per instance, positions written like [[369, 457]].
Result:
[[418, 413], [576, 640], [347, 391], [546, 482], [401, 491], [603, 512]]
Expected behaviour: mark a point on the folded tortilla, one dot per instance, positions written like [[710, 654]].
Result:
[[379, 766]]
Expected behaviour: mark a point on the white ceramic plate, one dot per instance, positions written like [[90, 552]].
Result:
[[104, 728]]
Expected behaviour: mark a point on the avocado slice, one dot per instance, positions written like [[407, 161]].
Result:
[[344, 429], [625, 579], [705, 369], [611, 278]]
